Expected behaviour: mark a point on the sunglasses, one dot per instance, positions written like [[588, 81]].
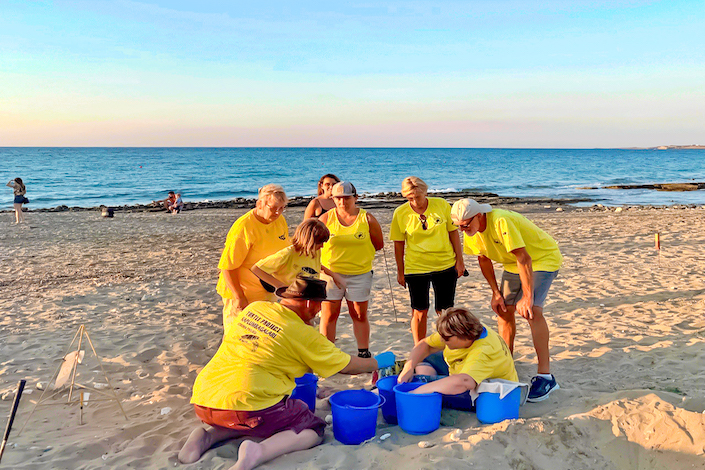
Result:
[[424, 225], [467, 224]]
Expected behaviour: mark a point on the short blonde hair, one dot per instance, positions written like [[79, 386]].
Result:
[[412, 184], [460, 322], [272, 191], [308, 234]]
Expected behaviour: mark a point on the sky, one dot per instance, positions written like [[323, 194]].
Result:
[[496, 73]]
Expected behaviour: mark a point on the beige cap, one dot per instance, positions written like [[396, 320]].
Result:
[[468, 208], [344, 188]]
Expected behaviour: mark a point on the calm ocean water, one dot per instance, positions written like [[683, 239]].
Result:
[[89, 177]]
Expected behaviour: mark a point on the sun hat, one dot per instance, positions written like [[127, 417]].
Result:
[[344, 188], [304, 288], [468, 208]]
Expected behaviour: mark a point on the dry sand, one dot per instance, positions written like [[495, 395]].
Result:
[[627, 344]]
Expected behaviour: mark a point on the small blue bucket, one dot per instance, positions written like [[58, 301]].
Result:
[[417, 414], [305, 390], [490, 409], [355, 415], [386, 389]]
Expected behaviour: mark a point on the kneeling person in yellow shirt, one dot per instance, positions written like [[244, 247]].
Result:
[[463, 352], [244, 389]]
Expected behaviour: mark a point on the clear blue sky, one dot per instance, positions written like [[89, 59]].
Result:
[[398, 74]]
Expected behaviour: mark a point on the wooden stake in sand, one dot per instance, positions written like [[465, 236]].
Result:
[[11, 418], [391, 291], [657, 245], [69, 367]]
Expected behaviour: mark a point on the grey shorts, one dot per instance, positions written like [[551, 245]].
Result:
[[511, 287], [358, 287]]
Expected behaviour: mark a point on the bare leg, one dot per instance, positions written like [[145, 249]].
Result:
[[540, 335], [19, 216], [252, 454], [361, 325], [425, 370], [330, 311], [418, 324], [201, 440], [507, 326]]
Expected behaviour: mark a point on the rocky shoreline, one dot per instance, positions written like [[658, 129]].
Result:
[[383, 200], [391, 200]]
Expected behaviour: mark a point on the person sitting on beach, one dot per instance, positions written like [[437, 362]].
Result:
[[257, 234], [531, 261], [355, 236], [302, 258], [167, 203], [244, 390], [459, 356], [178, 204], [324, 201], [19, 190]]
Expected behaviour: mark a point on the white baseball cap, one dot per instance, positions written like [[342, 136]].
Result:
[[468, 208], [343, 189]]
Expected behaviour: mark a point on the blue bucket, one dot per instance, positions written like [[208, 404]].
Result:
[[355, 415], [417, 414], [305, 390], [386, 389], [490, 409]]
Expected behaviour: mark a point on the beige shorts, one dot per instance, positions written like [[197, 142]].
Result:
[[357, 289]]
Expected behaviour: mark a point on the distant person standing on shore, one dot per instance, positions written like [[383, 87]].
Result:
[[257, 234], [427, 252], [20, 190], [355, 236], [324, 201], [531, 260]]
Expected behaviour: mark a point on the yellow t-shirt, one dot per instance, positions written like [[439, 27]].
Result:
[[487, 358], [286, 264], [248, 241], [507, 231], [349, 250], [264, 350], [429, 250]]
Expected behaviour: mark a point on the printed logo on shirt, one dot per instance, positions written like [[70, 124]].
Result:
[[309, 271], [437, 220], [360, 235], [282, 236], [256, 324], [252, 341]]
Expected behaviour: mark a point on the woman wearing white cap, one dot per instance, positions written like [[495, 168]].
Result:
[[355, 235], [427, 252]]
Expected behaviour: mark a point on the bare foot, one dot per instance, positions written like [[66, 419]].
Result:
[[248, 455], [196, 444]]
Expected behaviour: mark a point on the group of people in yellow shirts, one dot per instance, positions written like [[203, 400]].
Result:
[[244, 390]]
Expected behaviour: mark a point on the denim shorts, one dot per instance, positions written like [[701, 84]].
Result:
[[462, 401], [511, 287]]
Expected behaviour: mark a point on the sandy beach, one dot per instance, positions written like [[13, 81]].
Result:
[[627, 345]]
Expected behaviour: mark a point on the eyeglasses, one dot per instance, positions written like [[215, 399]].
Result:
[[424, 225], [467, 224]]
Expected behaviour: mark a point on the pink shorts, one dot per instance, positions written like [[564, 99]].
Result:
[[286, 415]]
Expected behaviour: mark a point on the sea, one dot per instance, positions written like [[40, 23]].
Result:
[[90, 177]]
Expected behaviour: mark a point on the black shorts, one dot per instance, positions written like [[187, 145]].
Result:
[[443, 288]]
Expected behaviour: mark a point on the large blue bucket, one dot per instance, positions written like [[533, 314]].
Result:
[[417, 414], [355, 415], [305, 390], [490, 409], [386, 389]]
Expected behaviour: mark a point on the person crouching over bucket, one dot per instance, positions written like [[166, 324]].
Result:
[[459, 356], [244, 389]]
